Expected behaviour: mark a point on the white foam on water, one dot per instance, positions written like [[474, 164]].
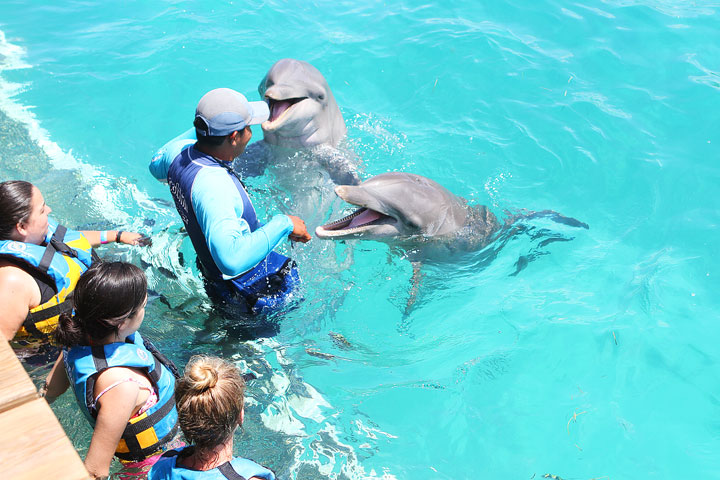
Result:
[[12, 57], [110, 195], [330, 458]]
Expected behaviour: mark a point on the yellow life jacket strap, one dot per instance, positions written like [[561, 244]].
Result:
[[134, 430], [46, 313], [139, 436], [54, 246]]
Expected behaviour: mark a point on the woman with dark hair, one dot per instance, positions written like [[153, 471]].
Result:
[[123, 385], [210, 407], [40, 262]]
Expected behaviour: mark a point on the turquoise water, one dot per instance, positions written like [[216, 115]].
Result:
[[598, 359]]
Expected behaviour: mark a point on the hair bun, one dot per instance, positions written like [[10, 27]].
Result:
[[202, 376], [209, 399]]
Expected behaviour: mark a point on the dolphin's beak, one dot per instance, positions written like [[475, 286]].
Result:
[[341, 191]]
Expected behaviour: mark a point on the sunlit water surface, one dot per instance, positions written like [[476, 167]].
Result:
[[591, 357]]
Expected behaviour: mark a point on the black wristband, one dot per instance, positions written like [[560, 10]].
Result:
[[117, 236]]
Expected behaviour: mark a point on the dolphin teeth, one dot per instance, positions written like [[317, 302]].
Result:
[[343, 222], [353, 223]]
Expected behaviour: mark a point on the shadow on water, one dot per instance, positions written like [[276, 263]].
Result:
[[539, 236]]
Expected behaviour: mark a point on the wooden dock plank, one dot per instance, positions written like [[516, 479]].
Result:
[[16, 387], [33, 445]]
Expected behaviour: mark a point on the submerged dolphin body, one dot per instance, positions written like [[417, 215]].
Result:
[[409, 208], [303, 111]]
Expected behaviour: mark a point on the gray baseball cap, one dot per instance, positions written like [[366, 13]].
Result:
[[223, 111]]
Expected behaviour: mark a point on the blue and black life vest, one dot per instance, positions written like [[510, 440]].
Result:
[[263, 286], [237, 469], [60, 262], [146, 434]]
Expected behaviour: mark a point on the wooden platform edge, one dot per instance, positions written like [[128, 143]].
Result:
[[33, 443]]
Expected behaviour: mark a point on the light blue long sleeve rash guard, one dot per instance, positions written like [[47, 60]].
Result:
[[219, 208], [163, 158]]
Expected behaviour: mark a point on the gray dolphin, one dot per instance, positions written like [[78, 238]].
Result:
[[399, 207], [303, 111]]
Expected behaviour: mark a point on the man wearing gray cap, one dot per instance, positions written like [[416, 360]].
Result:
[[234, 249]]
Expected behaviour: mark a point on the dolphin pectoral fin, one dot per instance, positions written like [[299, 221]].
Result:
[[349, 258], [405, 323], [340, 168], [414, 287]]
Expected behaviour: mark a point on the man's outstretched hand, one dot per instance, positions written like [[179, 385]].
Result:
[[299, 233]]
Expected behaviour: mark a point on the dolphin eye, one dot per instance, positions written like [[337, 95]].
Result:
[[321, 97]]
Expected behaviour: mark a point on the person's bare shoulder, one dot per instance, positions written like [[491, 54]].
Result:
[[116, 374], [15, 279], [18, 294]]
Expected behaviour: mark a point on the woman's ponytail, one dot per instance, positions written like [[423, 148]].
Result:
[[69, 331]]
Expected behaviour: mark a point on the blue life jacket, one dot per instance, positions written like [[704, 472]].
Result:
[[146, 434], [237, 469], [264, 286], [60, 262]]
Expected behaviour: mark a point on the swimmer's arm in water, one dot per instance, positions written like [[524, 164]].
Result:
[[163, 158], [128, 238], [57, 381], [219, 208]]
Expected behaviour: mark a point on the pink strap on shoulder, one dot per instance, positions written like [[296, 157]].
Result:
[[94, 404]]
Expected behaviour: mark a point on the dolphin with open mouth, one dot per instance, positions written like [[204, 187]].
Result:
[[411, 210], [431, 223], [305, 125], [303, 111], [405, 207]]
